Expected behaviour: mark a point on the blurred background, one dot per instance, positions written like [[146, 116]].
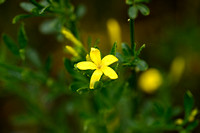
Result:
[[171, 32]]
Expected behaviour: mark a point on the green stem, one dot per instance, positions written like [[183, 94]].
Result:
[[132, 36]]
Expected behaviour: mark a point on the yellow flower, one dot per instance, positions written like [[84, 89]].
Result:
[[150, 80], [100, 66]]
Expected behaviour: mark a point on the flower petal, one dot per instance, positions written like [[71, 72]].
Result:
[[109, 59], [85, 65], [95, 56], [110, 72], [95, 77]]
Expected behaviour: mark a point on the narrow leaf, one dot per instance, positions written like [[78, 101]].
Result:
[[12, 46], [114, 49], [22, 38], [20, 17], [126, 49], [140, 49], [69, 66], [188, 103]]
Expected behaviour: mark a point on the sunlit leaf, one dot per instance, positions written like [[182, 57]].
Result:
[[140, 49], [27, 6], [143, 9], [132, 12]]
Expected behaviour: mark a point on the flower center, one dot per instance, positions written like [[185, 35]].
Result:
[[99, 66]]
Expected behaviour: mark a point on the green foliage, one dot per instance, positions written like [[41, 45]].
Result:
[[114, 49], [60, 100], [135, 6], [22, 38], [12, 46], [2, 1], [143, 9], [133, 12], [188, 103]]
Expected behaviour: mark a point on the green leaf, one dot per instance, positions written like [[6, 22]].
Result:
[[2, 1], [188, 103], [33, 56], [69, 66], [12, 46], [80, 12], [43, 9], [143, 9], [48, 64], [22, 54], [126, 49], [114, 49], [22, 38], [129, 2], [132, 12], [20, 17], [34, 2], [89, 42], [141, 65], [96, 42], [159, 109], [140, 1], [82, 90], [76, 85], [140, 49], [98, 85], [192, 125], [50, 26], [27, 6]]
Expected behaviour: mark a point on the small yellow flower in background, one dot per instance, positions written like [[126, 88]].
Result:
[[179, 121], [71, 37], [71, 50], [177, 68], [114, 31], [99, 65], [150, 80], [193, 115]]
